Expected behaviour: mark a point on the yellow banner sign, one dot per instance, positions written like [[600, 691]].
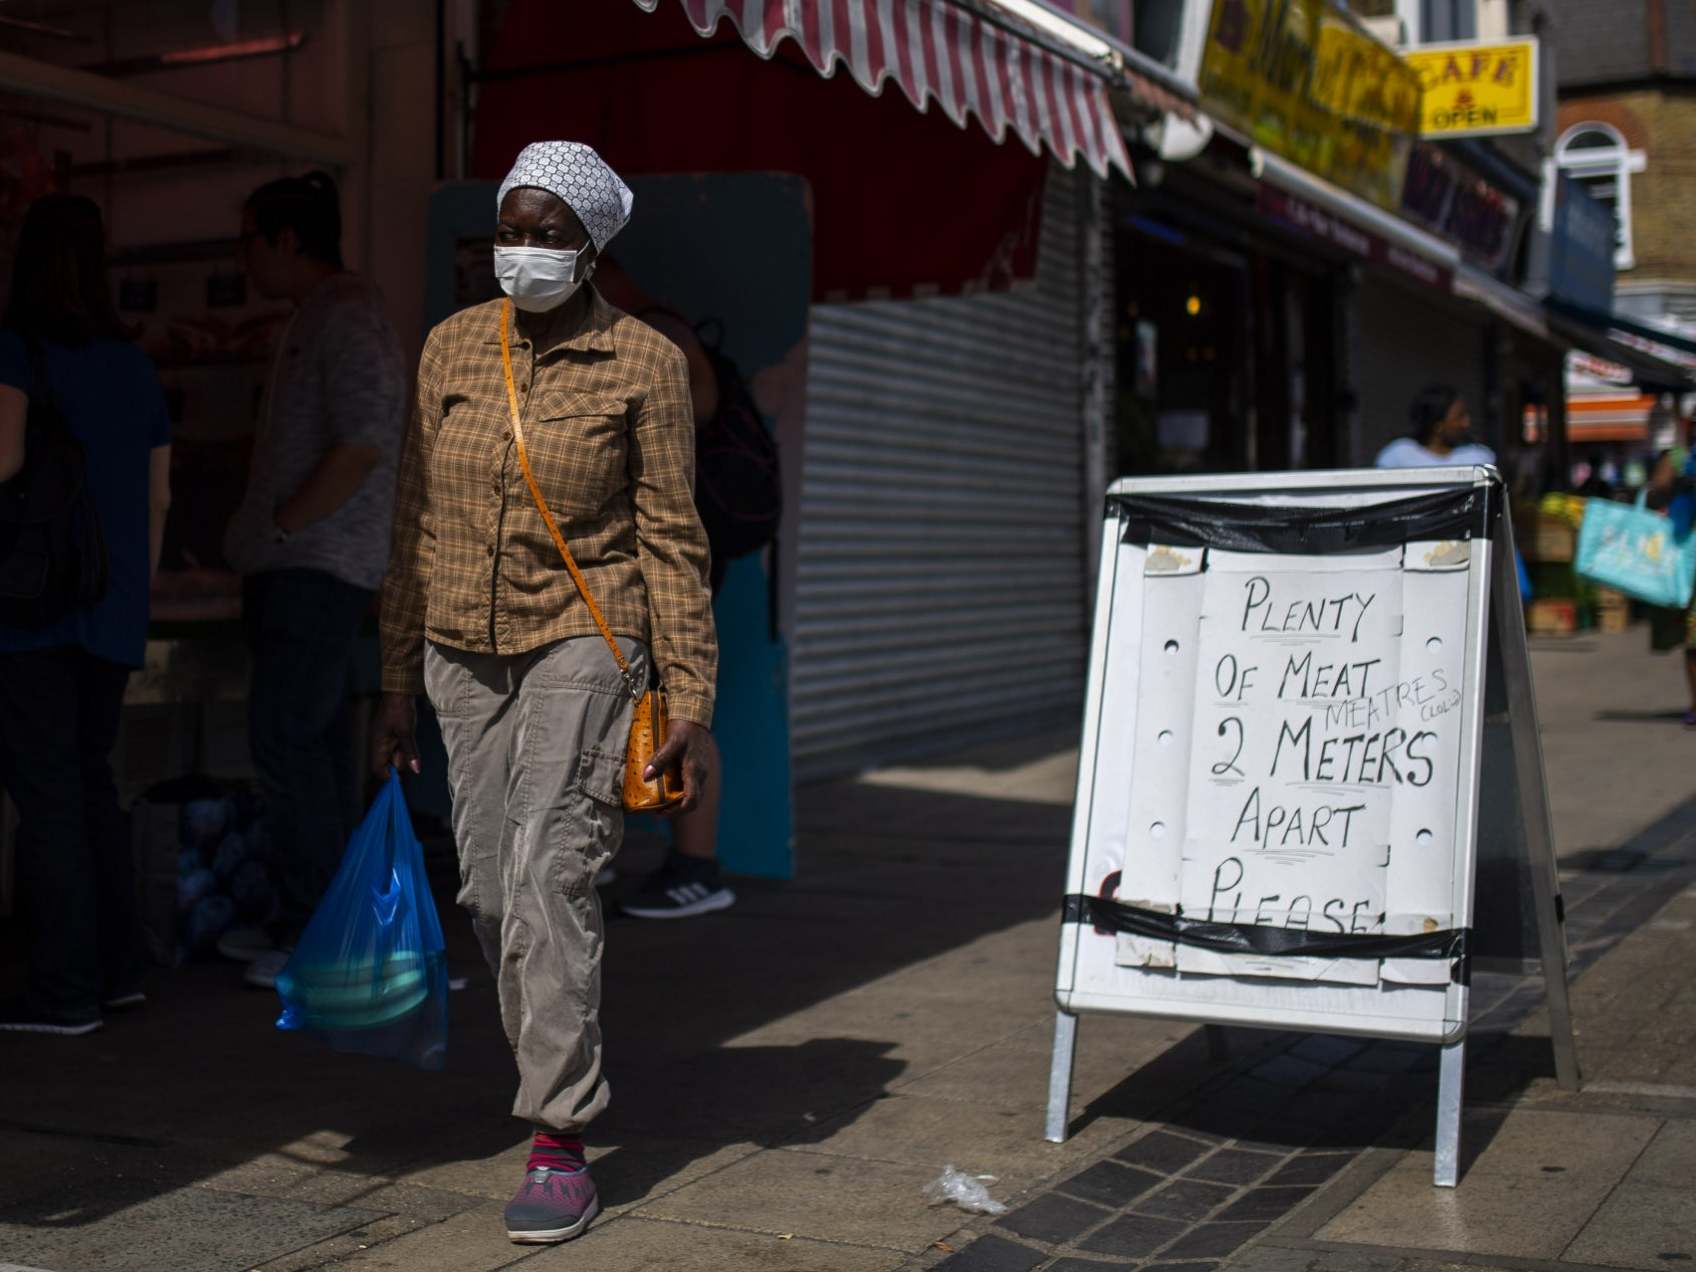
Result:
[[1474, 89], [1303, 79]]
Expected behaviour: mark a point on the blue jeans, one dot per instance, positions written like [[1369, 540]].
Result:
[[302, 625]]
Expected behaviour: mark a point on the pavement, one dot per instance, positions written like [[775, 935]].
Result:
[[790, 1075]]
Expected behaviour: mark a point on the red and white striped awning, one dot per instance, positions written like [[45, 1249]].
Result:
[[938, 50]]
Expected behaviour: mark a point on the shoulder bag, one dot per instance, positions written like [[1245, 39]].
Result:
[[649, 724]]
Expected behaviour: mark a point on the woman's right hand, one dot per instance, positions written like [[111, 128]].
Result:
[[394, 734]]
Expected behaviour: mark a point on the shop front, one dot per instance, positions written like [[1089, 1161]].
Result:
[[1357, 261], [1228, 338]]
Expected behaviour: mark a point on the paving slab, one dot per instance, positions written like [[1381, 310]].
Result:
[[471, 1241], [31, 1162], [1012, 1074], [1528, 1194], [932, 1133], [637, 1244], [1649, 1221], [346, 1247], [118, 1226], [818, 1196]]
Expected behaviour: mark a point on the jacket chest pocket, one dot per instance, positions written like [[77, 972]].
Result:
[[579, 450]]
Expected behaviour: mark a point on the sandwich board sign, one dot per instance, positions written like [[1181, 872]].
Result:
[[1292, 690]]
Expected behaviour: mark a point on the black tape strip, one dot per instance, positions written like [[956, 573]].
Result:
[[1248, 938], [1465, 512]]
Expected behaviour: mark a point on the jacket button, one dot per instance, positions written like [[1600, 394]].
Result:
[[491, 549]]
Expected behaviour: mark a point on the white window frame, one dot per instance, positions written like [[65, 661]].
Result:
[[1616, 160]]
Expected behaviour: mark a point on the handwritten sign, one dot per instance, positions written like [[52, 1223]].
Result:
[[1322, 699], [1310, 788]]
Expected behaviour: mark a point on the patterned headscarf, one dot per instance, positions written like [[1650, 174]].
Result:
[[578, 175]]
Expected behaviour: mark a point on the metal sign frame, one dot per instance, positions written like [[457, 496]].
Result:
[[1493, 605]]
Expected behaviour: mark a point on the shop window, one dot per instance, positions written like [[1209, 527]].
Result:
[[1156, 28], [1441, 20], [1597, 155], [1152, 27], [1111, 16]]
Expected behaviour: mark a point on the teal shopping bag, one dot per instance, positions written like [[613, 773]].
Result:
[[1638, 552]]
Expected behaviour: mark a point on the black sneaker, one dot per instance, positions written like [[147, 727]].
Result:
[[17, 1016], [681, 889]]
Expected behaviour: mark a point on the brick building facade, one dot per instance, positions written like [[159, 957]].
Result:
[[1627, 127]]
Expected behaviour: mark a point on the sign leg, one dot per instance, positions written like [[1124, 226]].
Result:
[[1450, 1081], [1060, 1076], [1534, 803]]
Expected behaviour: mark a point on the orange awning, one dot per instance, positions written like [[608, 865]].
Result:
[[1609, 417]]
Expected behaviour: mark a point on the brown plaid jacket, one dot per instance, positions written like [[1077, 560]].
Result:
[[611, 438]]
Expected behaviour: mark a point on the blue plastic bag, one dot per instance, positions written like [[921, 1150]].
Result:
[[369, 974], [1638, 552]]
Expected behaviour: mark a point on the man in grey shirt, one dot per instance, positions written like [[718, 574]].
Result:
[[311, 539]]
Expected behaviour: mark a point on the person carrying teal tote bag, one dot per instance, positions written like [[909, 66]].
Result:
[[1638, 552]]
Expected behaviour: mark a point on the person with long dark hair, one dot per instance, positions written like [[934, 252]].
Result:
[[63, 350]]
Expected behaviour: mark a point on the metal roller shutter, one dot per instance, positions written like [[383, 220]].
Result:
[[940, 573]]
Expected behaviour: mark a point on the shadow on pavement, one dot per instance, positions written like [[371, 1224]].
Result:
[[199, 1088], [1675, 716]]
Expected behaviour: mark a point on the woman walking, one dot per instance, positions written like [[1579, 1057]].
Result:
[[480, 613], [64, 356]]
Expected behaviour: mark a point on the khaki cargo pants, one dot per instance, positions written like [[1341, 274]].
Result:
[[535, 747]]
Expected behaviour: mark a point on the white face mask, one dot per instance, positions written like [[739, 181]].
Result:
[[541, 278]]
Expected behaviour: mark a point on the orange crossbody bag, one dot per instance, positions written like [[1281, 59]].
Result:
[[649, 724]]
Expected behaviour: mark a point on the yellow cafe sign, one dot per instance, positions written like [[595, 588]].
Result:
[[1473, 88]]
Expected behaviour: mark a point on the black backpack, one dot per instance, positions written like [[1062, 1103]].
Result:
[[52, 549], [738, 476]]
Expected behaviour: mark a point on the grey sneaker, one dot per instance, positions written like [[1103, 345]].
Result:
[[246, 943], [263, 971], [551, 1206]]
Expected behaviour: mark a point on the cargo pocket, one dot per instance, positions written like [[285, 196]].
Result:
[[594, 824], [600, 775]]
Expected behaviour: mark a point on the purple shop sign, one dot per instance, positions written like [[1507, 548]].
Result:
[[1298, 214], [1444, 196]]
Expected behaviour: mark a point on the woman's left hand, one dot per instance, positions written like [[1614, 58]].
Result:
[[689, 749]]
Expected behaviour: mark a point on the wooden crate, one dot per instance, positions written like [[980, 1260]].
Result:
[[1613, 610], [1543, 537], [1557, 616]]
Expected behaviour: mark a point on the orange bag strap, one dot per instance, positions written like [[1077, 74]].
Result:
[[631, 682]]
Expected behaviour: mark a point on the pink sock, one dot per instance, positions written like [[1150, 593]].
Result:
[[556, 1152]]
